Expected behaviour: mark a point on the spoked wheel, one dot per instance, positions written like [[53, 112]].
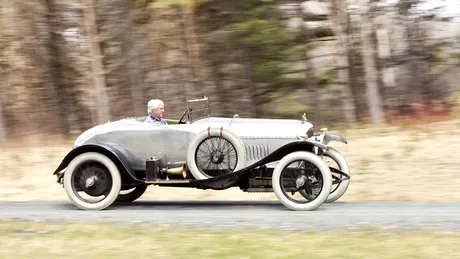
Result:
[[132, 194], [92, 181], [216, 156], [215, 152], [334, 159], [301, 171], [311, 191]]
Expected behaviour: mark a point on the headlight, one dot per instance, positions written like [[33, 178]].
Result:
[[310, 132]]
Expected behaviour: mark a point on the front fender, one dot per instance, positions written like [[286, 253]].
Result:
[[228, 180], [117, 154], [331, 137]]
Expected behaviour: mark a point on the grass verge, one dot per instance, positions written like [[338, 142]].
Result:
[[109, 240]]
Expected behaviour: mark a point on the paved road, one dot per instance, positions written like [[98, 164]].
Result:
[[258, 215]]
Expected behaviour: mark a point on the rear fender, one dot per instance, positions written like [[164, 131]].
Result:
[[119, 155]]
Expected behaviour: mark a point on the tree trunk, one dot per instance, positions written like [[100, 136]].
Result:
[[186, 41], [370, 72], [186, 69], [220, 91], [56, 75], [190, 21], [13, 79], [2, 76], [103, 111], [251, 85], [134, 69], [30, 101], [388, 73], [310, 80], [340, 20], [2, 123]]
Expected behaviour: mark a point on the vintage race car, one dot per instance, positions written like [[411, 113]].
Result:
[[201, 151]]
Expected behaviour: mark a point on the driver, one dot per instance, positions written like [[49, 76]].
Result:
[[155, 110]]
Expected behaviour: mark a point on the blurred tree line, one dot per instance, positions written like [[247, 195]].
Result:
[[68, 65]]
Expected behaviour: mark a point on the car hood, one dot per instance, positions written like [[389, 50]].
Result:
[[260, 128]]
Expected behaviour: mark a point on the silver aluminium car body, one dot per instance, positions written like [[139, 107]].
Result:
[[283, 156], [260, 136]]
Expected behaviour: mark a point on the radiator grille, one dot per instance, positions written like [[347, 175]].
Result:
[[256, 152]]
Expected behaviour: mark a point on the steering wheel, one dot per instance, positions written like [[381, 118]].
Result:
[[182, 117]]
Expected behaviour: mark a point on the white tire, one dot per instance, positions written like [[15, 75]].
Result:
[[208, 133], [70, 187], [315, 160], [343, 166]]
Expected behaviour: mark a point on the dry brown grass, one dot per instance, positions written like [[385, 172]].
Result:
[[387, 163], [106, 240]]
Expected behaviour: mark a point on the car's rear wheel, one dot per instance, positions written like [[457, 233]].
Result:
[[92, 181], [132, 194], [301, 171], [215, 152]]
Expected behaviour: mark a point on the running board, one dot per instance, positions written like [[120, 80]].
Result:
[[166, 181], [258, 189]]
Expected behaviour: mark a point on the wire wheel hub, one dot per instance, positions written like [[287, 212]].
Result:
[[94, 180], [217, 157], [301, 181]]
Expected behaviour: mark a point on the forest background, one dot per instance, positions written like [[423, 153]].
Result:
[[383, 74], [68, 65]]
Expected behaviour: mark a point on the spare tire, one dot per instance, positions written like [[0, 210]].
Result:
[[215, 152]]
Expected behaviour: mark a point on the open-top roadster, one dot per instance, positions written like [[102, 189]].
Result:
[[201, 151]]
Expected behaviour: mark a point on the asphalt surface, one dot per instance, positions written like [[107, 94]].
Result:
[[249, 215]]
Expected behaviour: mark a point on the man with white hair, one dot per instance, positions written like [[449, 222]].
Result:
[[155, 110]]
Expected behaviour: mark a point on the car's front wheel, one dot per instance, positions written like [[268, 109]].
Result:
[[299, 172], [339, 181], [92, 181], [341, 185]]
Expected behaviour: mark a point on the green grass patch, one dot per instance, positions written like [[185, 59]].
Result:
[[107, 240]]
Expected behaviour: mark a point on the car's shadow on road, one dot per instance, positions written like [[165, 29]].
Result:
[[196, 204], [202, 205], [189, 205]]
